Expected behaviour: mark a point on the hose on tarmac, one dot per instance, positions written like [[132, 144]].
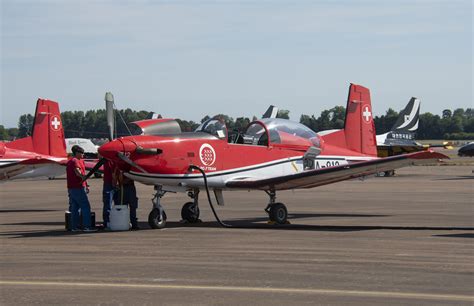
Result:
[[193, 167]]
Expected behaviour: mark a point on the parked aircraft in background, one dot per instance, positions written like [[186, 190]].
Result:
[[273, 154], [401, 137], [90, 149], [467, 150], [41, 154]]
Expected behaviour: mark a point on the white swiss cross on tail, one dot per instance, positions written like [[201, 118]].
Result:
[[55, 123], [366, 114]]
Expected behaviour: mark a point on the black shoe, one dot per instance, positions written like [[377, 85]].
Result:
[[135, 228]]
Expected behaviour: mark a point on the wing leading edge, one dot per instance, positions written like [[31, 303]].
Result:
[[324, 176]]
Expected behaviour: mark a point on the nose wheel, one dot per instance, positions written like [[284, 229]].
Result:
[[157, 216], [157, 220]]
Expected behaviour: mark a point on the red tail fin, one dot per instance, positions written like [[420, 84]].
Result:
[[359, 126], [359, 130], [48, 134]]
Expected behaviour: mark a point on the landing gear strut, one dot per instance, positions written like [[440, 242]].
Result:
[[277, 212], [157, 216], [190, 210]]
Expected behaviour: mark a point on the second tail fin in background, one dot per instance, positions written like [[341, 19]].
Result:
[[48, 134]]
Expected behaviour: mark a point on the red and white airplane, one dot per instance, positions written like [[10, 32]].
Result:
[[41, 154], [273, 154]]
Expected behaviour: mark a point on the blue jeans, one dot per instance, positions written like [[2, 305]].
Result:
[[107, 194], [78, 201], [130, 199]]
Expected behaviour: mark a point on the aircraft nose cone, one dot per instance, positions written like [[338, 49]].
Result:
[[110, 149]]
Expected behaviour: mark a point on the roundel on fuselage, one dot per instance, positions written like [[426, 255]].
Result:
[[207, 154]]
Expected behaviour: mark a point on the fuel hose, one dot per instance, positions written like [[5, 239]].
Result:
[[193, 167]]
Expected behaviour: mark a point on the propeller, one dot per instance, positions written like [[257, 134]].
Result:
[[95, 168], [130, 162], [109, 108]]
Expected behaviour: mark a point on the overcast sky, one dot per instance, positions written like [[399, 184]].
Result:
[[187, 59]]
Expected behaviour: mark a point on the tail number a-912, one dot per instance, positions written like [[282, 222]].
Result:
[[325, 164]]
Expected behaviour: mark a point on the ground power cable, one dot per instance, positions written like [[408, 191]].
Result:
[[193, 167]]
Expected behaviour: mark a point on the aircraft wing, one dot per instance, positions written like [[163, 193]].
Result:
[[324, 176], [12, 169]]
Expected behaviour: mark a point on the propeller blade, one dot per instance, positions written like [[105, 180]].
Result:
[[130, 162], [109, 108], [96, 167]]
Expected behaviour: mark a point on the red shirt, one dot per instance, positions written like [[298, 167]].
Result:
[[108, 170], [73, 181]]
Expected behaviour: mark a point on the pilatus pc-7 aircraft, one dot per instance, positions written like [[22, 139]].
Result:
[[272, 155], [41, 154]]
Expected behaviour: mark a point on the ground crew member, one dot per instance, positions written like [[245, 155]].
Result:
[[77, 190], [107, 191], [128, 196]]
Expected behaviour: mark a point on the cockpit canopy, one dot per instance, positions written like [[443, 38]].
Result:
[[276, 131], [215, 127], [265, 132]]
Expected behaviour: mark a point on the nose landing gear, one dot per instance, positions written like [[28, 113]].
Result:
[[157, 216]]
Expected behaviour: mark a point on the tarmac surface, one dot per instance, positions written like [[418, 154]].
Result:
[[403, 240]]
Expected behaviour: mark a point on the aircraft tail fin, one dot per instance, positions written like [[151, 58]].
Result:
[[359, 127], [48, 132], [271, 112], [48, 135], [409, 117]]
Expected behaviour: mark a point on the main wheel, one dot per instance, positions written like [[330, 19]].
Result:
[[190, 212], [278, 213], [154, 219]]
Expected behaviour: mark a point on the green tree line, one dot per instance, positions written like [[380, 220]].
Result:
[[456, 124]]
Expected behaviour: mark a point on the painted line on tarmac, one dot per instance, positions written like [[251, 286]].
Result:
[[385, 294]]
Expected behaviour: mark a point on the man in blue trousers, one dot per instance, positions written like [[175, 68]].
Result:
[[77, 191]]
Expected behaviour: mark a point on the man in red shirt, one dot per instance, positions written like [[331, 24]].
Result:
[[77, 191], [107, 191]]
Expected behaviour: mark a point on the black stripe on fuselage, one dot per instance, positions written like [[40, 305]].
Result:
[[228, 172]]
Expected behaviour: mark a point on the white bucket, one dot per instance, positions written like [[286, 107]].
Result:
[[119, 218]]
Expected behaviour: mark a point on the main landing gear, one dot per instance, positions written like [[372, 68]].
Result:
[[190, 210], [277, 212]]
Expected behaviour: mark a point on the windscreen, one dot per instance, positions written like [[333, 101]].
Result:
[[214, 127]]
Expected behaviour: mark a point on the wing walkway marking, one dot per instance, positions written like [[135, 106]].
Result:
[[386, 294]]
